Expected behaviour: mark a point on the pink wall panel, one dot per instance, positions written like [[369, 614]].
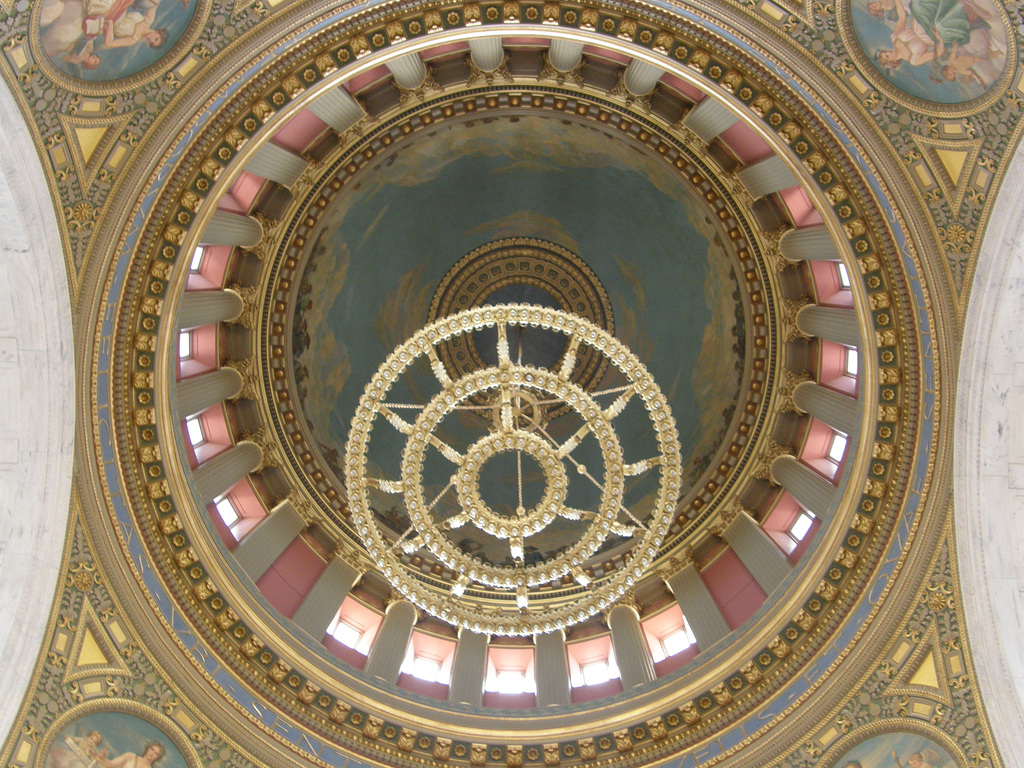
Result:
[[745, 142], [300, 131], [733, 588], [510, 700], [291, 577], [592, 692], [414, 684], [343, 652]]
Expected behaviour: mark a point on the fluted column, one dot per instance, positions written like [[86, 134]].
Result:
[[486, 52], [409, 71], [217, 475], [758, 553], [198, 308], [631, 652], [709, 118], [839, 411], [564, 55], [767, 176], [832, 323], [388, 651], [320, 605], [810, 244], [641, 77], [699, 607], [226, 228], [337, 108], [200, 392], [265, 543], [551, 669], [277, 164], [469, 668], [811, 490]]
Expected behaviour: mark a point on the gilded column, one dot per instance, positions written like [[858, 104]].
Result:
[[217, 475], [321, 604], [759, 554], [200, 392], [631, 652], [832, 323], [469, 669], [389, 647], [810, 489], [198, 308], [552, 669]]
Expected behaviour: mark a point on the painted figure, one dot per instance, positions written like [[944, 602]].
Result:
[[77, 752], [958, 45], [153, 752], [85, 33]]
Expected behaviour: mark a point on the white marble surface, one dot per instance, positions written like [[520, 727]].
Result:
[[36, 408], [989, 468]]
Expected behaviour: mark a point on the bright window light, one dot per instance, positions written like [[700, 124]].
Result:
[[596, 673], [850, 363], [801, 525], [425, 669], [185, 345], [195, 430], [197, 259], [837, 447], [677, 641], [511, 681], [227, 511], [844, 276], [346, 634]]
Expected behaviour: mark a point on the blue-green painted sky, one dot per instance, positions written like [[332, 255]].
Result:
[[387, 241]]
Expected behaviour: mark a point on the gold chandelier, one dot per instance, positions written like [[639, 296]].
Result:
[[514, 598]]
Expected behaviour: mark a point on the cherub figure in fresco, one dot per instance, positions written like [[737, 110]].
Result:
[[974, 62], [78, 752]]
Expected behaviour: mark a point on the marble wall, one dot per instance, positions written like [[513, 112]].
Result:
[[37, 408], [989, 466]]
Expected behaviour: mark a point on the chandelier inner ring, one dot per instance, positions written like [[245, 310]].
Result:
[[602, 522], [525, 522]]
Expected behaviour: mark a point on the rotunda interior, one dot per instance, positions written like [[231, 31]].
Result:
[[509, 384]]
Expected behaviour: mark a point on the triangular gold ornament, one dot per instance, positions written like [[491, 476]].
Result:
[[90, 139], [92, 652], [951, 162]]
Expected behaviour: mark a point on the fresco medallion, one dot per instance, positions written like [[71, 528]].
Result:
[[946, 52], [899, 749], [112, 740], [101, 41]]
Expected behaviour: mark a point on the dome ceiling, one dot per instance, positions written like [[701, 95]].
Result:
[[682, 260], [492, 334]]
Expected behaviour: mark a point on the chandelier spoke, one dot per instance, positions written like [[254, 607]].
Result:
[[395, 420]]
